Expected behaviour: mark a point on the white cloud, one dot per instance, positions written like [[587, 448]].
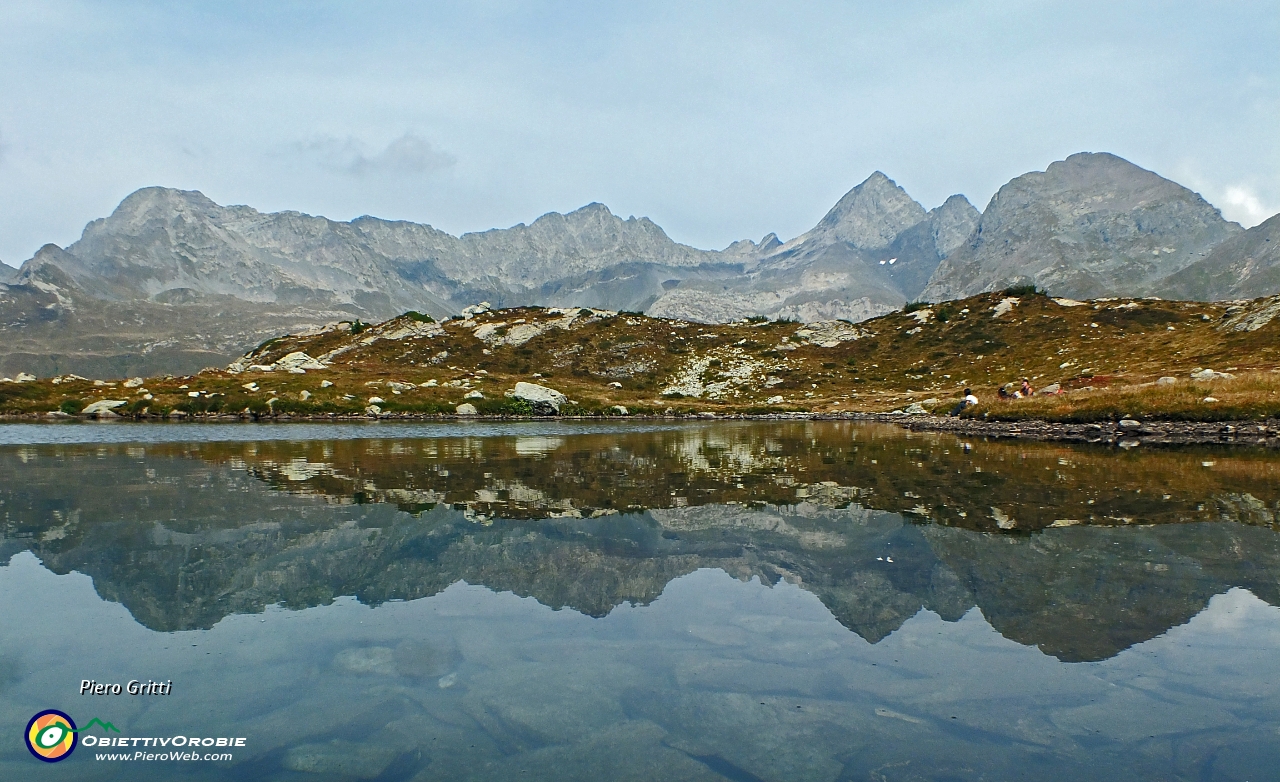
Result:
[[409, 154], [1242, 204]]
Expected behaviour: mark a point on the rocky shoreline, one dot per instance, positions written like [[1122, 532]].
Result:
[[1126, 433]]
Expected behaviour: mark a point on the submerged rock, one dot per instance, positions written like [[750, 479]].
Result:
[[341, 758]]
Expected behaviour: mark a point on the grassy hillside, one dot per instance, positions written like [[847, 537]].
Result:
[[1106, 355]]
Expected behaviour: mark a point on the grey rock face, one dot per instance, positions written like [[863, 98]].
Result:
[[1246, 266], [1091, 225], [871, 253], [172, 282]]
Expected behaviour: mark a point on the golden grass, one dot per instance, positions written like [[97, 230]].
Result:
[[1250, 395], [1106, 355]]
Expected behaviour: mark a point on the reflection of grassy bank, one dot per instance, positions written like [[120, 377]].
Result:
[[1249, 396], [1002, 486], [184, 534]]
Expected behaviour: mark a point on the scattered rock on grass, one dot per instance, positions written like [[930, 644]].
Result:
[[103, 406], [543, 400], [1209, 374]]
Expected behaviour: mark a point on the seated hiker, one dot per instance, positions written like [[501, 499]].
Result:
[[1003, 393], [1026, 389], [969, 401]]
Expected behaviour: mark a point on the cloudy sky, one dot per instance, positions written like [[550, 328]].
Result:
[[719, 120]]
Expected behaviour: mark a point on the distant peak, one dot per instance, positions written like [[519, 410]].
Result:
[[871, 214], [957, 201], [149, 199], [595, 207]]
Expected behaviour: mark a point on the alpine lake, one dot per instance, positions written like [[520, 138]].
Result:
[[744, 601]]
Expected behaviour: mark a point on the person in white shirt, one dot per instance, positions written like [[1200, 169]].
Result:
[[969, 401]]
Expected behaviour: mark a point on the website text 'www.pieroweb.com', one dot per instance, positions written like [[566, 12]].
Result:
[[186, 749]]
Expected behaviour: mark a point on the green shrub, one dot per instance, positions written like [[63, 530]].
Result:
[[1022, 290]]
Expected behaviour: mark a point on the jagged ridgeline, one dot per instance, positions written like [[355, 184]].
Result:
[[876, 522], [172, 282]]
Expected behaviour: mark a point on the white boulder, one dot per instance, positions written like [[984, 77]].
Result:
[[474, 395], [466, 408], [543, 400], [23, 377], [298, 360], [774, 400], [1209, 374], [103, 406], [133, 382]]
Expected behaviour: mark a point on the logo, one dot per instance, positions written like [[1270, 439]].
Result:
[[51, 735]]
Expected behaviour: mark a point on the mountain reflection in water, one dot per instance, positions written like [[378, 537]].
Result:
[[1081, 552]]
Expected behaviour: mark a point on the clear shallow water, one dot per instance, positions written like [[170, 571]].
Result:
[[762, 601]]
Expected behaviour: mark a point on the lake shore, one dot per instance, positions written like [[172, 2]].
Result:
[[1126, 433]]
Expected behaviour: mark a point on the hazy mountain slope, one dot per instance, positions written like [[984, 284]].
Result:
[[160, 240], [1245, 266], [872, 252], [170, 270], [1091, 225], [51, 326]]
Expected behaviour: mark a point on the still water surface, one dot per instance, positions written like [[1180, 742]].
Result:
[[759, 601]]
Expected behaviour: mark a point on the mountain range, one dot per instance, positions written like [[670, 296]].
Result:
[[172, 282]]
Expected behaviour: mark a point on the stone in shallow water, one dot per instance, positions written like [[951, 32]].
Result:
[[786, 742], [365, 660], [340, 757], [425, 660], [533, 704], [631, 750]]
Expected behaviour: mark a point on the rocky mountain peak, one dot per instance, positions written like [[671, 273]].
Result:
[[157, 203], [1091, 225], [870, 215], [952, 223]]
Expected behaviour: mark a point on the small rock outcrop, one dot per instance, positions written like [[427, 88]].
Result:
[[543, 400], [298, 361], [103, 407]]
